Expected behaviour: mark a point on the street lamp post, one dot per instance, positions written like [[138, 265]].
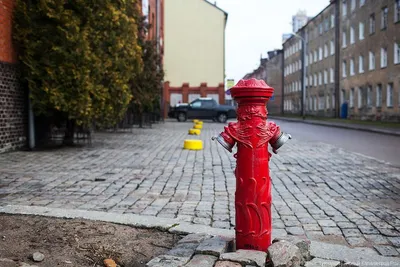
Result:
[[304, 69]]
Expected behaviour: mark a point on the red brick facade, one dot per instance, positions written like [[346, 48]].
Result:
[[13, 118], [203, 90], [7, 53]]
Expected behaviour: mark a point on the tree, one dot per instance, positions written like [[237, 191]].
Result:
[[79, 57], [146, 87]]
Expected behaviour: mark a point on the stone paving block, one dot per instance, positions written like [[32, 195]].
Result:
[[193, 238], [317, 262], [295, 230], [386, 250], [183, 250], [377, 239], [227, 264], [168, 261], [213, 246], [395, 241], [283, 253], [249, 257], [202, 261], [311, 227], [357, 241]]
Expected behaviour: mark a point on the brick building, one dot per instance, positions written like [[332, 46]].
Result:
[[370, 59], [13, 118], [319, 35], [270, 70]]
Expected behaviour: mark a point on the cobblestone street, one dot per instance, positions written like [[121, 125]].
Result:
[[318, 189]]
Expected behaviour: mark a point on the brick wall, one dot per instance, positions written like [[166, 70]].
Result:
[[13, 119]]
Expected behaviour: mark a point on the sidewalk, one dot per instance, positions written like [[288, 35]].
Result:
[[352, 126]]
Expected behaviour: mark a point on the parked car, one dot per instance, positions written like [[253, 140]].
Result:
[[203, 108]]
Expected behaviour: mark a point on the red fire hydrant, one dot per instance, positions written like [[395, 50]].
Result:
[[252, 133]]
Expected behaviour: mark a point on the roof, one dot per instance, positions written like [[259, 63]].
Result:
[[220, 9]]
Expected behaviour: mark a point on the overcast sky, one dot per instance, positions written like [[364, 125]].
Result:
[[256, 26]]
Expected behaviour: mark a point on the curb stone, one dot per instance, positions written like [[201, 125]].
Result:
[[343, 126]]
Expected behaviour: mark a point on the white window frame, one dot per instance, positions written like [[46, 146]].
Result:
[[321, 102], [315, 79], [360, 64], [352, 35], [383, 57], [325, 77], [327, 103], [372, 23], [344, 41], [320, 78], [326, 52], [396, 11], [389, 95], [352, 71], [396, 57], [344, 8], [359, 97], [369, 96], [384, 19], [378, 102], [332, 21], [351, 98], [332, 75], [344, 71], [361, 31], [371, 60], [362, 2], [353, 5], [332, 47], [320, 53]]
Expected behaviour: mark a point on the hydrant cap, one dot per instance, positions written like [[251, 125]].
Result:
[[252, 88]]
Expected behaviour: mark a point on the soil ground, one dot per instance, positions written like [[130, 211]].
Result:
[[76, 243]]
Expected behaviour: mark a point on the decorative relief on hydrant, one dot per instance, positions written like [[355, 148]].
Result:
[[252, 134]]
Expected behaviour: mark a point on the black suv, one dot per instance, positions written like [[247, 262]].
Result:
[[203, 108]]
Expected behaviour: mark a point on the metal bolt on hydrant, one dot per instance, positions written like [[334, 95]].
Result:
[[252, 134]]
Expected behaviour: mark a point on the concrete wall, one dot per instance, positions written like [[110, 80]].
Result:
[[194, 43]]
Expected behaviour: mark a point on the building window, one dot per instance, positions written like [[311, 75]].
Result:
[[344, 73], [361, 31], [331, 75], [320, 53], [384, 18], [321, 103], [396, 52], [320, 78], [315, 80], [326, 52], [359, 97], [397, 11], [351, 104], [325, 76], [344, 8], [378, 95], [371, 60], [315, 103], [306, 81], [369, 96], [344, 39], [333, 20], [372, 23], [332, 47], [310, 57], [342, 95], [383, 57], [326, 24], [327, 102], [362, 2], [389, 95], [353, 5], [352, 39], [352, 67], [360, 64], [315, 56], [333, 100], [320, 29], [310, 80]]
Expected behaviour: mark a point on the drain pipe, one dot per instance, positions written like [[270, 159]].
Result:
[[31, 124]]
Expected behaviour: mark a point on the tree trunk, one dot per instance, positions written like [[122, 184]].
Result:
[[69, 133]]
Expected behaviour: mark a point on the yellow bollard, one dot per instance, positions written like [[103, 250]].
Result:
[[192, 144], [195, 121], [198, 126], [194, 131]]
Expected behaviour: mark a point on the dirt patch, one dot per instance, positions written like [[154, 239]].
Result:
[[71, 243]]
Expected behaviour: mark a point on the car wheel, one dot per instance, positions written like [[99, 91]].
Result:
[[181, 117], [222, 117]]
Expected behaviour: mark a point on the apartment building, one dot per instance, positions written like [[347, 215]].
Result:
[[292, 71], [370, 59], [319, 34]]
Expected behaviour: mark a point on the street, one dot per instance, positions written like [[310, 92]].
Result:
[[319, 189], [379, 146]]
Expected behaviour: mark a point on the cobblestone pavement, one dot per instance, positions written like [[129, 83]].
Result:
[[318, 189]]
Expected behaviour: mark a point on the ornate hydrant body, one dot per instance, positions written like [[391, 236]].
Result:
[[252, 134]]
